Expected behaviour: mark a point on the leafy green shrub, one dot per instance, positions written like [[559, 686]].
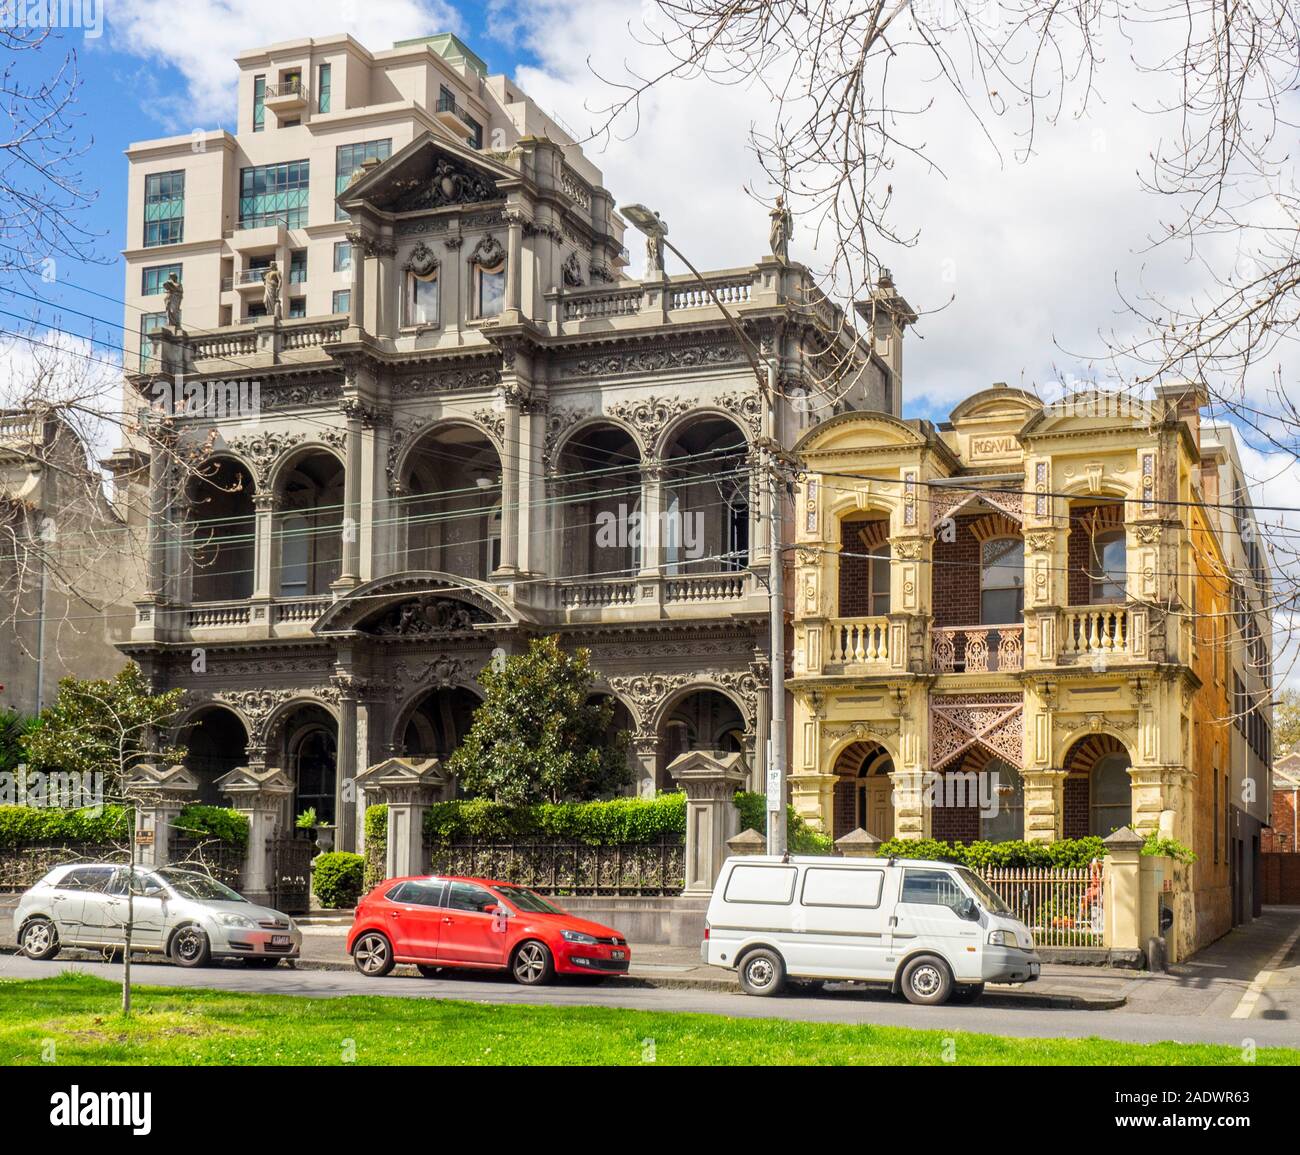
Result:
[[800, 837], [307, 820], [337, 878], [618, 821], [1067, 852], [219, 822], [25, 825], [1155, 847]]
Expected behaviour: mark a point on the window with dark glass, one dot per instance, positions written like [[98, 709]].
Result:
[[342, 301], [348, 160], [298, 267], [273, 194], [1107, 570], [878, 580], [342, 256], [259, 103], [1002, 580], [149, 323], [152, 278], [323, 89], [1111, 795], [164, 208]]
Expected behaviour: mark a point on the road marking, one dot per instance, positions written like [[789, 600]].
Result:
[[1246, 1007]]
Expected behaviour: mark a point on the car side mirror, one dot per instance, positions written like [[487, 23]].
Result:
[[968, 910]]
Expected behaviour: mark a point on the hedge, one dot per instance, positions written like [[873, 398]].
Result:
[[337, 878], [23, 825], [1068, 852], [219, 822], [800, 837]]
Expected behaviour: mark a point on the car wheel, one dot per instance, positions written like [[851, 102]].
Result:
[[40, 940], [762, 973], [372, 954], [427, 971], [927, 981], [190, 947], [263, 963], [967, 992], [532, 965]]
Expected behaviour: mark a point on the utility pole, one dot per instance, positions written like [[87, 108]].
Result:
[[652, 224]]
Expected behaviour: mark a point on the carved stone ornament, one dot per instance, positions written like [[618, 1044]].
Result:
[[263, 450], [1039, 540], [451, 183], [649, 415], [572, 271], [651, 360], [438, 673], [859, 732], [489, 252], [559, 420], [748, 407], [645, 693], [422, 260], [448, 381], [429, 615], [493, 420]]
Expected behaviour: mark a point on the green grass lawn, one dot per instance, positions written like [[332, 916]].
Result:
[[74, 1019]]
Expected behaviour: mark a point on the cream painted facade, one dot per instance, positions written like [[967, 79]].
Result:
[[1066, 678]]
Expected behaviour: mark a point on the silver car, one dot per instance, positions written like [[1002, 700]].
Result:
[[180, 913]]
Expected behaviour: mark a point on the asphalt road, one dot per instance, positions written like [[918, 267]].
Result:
[[851, 1005]]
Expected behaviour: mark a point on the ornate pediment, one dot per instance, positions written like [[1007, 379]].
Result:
[[443, 182], [426, 616]]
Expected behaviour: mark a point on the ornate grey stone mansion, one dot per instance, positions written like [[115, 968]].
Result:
[[470, 427]]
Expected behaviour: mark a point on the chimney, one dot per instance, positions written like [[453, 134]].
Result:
[[1183, 401]]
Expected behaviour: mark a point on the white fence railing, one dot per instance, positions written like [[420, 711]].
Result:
[[1060, 906]]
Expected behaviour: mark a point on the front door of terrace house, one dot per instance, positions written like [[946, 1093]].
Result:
[[876, 807]]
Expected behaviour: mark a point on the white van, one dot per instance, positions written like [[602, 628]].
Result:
[[930, 929]]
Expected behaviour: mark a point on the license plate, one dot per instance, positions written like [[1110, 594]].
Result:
[[280, 940], [618, 954]]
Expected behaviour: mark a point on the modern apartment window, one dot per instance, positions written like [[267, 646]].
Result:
[[259, 103], [476, 141], [1002, 580], [1108, 568], [152, 278], [298, 307], [274, 194], [164, 208], [298, 267], [323, 88], [422, 298], [342, 256], [149, 323], [342, 301], [349, 158], [489, 289]]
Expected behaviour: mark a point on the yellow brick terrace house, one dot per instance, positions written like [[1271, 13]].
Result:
[[1001, 606]]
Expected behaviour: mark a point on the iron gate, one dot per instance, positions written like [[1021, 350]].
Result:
[[289, 858]]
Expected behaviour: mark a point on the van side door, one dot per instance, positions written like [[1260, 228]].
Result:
[[843, 921], [926, 917]]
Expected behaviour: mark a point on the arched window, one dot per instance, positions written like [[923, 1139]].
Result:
[[314, 757], [488, 267], [422, 297], [1002, 580], [1111, 803], [1008, 823], [1108, 567]]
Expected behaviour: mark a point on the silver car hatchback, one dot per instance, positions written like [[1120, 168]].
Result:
[[185, 915]]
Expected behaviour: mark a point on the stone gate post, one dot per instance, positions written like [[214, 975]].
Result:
[[258, 793], [158, 796], [710, 779], [408, 787]]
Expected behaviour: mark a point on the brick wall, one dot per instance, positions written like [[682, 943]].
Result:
[[955, 823], [956, 589], [1074, 806], [1077, 559], [1284, 822], [855, 578], [1281, 879]]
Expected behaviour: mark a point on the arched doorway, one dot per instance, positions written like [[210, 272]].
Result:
[[1098, 793], [221, 528], [705, 498], [598, 487], [700, 720], [306, 745], [309, 525], [451, 503], [215, 743], [864, 793], [622, 723], [439, 722], [1002, 818]]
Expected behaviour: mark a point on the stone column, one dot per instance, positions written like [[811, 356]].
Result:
[[512, 396], [259, 795], [157, 795], [408, 787], [263, 543], [812, 796], [1044, 804], [1122, 903], [514, 260], [350, 573], [652, 475], [646, 749], [345, 786], [710, 779], [911, 813], [357, 300]]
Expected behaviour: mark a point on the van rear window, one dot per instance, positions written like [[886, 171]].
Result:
[[842, 887], [769, 884]]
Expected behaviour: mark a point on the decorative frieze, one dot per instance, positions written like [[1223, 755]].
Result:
[[650, 360]]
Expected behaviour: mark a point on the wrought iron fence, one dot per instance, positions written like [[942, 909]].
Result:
[[1061, 907], [654, 868], [289, 858], [24, 866], [210, 856]]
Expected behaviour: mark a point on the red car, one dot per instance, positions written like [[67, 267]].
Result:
[[475, 923]]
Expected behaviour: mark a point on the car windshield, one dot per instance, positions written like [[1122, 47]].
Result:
[[526, 900], [983, 891], [199, 886]]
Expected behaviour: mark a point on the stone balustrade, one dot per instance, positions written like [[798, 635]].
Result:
[[857, 641]]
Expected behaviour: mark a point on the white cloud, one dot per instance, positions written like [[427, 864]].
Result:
[[201, 38]]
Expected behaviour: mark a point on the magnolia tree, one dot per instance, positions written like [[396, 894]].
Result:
[[540, 735]]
